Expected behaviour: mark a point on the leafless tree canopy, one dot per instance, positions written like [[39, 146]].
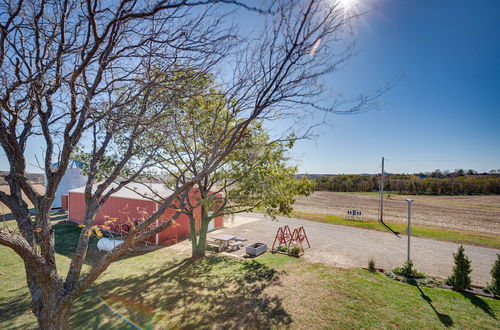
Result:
[[85, 75]]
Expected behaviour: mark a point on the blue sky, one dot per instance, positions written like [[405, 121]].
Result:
[[444, 113]]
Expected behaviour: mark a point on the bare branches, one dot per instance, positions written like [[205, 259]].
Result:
[[17, 243], [110, 82], [75, 72]]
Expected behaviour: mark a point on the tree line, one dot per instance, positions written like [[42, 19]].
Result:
[[434, 183]]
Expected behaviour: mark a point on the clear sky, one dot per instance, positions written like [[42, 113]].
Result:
[[444, 113]]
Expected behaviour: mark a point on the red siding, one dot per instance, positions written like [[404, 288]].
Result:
[[64, 202], [76, 206], [130, 209], [218, 222]]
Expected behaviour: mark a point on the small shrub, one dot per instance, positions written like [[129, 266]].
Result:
[[494, 286], [295, 250], [371, 263], [460, 277], [407, 270], [408, 274], [283, 248]]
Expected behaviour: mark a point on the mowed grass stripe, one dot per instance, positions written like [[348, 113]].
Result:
[[442, 234]]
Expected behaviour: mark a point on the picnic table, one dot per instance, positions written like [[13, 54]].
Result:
[[223, 240]]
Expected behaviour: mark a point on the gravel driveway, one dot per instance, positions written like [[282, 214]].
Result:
[[343, 246]]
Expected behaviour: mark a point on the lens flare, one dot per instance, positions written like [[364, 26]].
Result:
[[347, 4]]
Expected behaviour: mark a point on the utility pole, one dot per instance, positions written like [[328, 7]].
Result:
[[381, 188], [408, 230]]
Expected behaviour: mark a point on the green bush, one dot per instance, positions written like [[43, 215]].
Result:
[[494, 286], [407, 270], [460, 277], [408, 274], [421, 281], [295, 250], [283, 248], [371, 263]]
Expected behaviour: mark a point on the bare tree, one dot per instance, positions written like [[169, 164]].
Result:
[[84, 73], [75, 71]]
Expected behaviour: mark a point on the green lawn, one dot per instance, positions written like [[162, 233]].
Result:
[[162, 290], [442, 234]]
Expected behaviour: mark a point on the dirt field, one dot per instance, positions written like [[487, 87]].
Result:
[[472, 213], [5, 188]]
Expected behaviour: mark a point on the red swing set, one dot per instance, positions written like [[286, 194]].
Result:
[[288, 239]]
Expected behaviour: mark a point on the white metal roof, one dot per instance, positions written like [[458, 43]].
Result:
[[143, 191]]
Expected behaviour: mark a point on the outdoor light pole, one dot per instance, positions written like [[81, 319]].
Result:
[[409, 225]]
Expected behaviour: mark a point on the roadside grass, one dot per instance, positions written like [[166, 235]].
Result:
[[163, 290], [442, 234], [362, 299]]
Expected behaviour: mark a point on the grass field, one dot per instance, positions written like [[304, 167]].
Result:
[[163, 290]]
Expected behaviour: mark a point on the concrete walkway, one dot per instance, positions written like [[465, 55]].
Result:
[[343, 246]]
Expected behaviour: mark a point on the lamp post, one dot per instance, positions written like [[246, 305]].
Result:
[[408, 230]]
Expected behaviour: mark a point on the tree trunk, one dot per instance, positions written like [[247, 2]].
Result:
[[194, 238], [55, 317], [51, 307], [199, 250]]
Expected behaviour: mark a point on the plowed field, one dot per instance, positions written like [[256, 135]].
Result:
[[472, 213]]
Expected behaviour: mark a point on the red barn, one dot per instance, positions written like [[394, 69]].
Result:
[[133, 203]]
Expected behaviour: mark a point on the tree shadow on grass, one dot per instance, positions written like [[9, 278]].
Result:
[[13, 307], [66, 240], [211, 292], [478, 302], [68, 234], [445, 319]]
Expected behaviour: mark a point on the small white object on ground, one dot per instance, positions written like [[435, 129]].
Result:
[[108, 244]]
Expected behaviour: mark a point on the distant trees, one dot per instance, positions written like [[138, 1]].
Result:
[[434, 183]]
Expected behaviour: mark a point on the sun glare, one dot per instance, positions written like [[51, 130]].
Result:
[[347, 4]]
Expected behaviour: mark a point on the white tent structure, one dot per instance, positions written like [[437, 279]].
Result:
[[73, 178]]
